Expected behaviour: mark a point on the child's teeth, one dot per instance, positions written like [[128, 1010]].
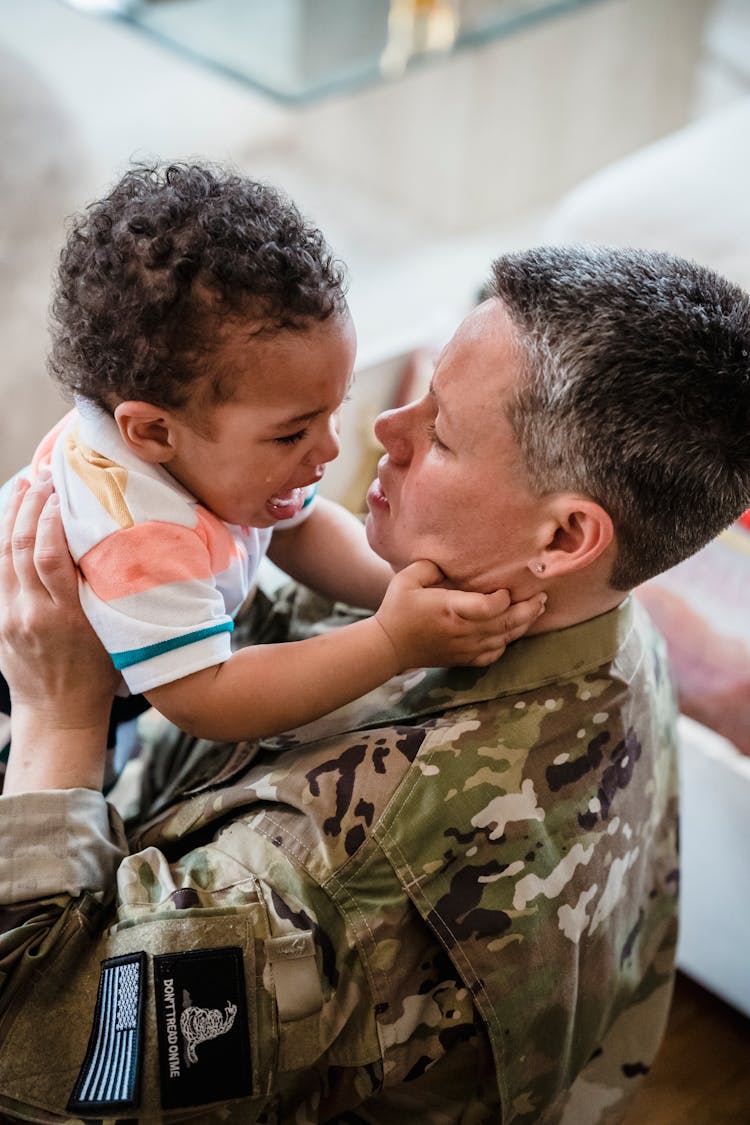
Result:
[[285, 497]]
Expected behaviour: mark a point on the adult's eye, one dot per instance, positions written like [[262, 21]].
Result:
[[432, 434]]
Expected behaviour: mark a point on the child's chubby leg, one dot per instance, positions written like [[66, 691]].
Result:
[[432, 626]]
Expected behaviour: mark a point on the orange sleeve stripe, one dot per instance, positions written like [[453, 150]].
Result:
[[217, 537], [145, 556]]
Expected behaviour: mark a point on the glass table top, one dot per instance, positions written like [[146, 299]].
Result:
[[300, 50]]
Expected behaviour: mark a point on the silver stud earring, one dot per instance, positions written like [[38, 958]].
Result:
[[540, 568]]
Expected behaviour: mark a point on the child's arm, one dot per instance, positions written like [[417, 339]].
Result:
[[329, 552], [263, 690]]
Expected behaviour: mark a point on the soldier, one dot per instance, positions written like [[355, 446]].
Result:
[[455, 899]]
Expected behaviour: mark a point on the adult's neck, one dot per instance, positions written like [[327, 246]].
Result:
[[572, 599]]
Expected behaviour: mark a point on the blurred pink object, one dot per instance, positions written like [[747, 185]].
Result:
[[702, 607]]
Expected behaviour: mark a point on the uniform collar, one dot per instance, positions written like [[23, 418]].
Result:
[[527, 664]]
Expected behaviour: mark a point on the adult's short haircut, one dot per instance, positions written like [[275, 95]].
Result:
[[635, 392], [151, 273]]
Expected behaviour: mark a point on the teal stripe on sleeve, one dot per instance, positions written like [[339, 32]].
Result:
[[137, 655]]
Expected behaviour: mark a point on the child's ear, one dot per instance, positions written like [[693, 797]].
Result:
[[576, 533], [147, 430]]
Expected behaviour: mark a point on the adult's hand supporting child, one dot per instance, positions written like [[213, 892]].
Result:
[[60, 677]]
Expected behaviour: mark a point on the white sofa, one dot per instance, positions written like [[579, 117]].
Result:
[[715, 844], [688, 194]]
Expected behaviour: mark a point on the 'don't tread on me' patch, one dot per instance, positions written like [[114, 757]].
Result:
[[201, 1019]]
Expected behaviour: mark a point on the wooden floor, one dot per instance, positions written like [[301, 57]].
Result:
[[702, 1073]]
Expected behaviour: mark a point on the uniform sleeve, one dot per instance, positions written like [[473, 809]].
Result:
[[57, 842], [59, 853], [222, 967]]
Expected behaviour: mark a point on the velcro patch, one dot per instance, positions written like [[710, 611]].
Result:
[[110, 1076], [201, 1018]]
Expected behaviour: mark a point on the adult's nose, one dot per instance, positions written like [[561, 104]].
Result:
[[391, 430]]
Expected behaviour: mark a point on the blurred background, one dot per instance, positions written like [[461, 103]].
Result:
[[424, 136]]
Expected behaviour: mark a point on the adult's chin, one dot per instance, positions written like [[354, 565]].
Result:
[[373, 537], [379, 542]]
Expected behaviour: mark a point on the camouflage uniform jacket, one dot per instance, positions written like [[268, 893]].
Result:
[[453, 901]]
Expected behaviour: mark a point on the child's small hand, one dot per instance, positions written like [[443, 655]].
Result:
[[429, 626]]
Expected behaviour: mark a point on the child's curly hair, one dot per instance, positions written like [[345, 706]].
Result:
[[149, 273]]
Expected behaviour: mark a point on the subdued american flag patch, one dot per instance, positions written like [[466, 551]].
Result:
[[110, 1075]]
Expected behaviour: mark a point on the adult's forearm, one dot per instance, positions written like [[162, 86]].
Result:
[[45, 755], [59, 854]]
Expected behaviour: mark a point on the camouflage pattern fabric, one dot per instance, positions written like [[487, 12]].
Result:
[[478, 869]]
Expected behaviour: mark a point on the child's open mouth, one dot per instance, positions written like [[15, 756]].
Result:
[[285, 504]]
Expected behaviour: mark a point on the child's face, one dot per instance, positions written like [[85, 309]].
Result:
[[277, 432]]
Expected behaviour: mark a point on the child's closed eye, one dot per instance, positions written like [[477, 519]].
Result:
[[291, 439]]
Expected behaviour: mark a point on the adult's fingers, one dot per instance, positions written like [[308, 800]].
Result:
[[23, 536], [52, 560], [7, 520]]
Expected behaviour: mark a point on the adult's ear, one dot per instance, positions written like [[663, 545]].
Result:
[[577, 531], [147, 430]]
